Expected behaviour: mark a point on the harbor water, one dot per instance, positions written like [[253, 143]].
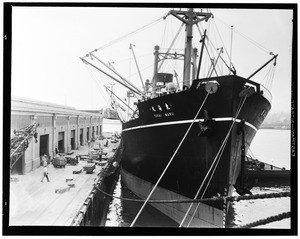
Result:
[[270, 146]]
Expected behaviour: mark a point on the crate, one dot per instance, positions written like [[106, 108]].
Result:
[[62, 190], [77, 171], [59, 162], [89, 168], [72, 160]]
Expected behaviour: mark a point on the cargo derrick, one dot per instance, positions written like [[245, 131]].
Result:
[[19, 143]]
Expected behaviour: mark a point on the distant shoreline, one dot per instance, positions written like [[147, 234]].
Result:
[[276, 127]]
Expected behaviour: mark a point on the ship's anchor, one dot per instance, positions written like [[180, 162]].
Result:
[[242, 189], [207, 126]]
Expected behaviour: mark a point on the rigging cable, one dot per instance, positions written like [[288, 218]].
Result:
[[246, 37], [100, 87], [230, 66], [175, 38], [205, 45], [170, 161], [216, 27], [102, 93], [271, 78], [268, 77], [214, 61], [214, 164], [129, 34], [163, 35]]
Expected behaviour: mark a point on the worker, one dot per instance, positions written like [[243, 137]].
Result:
[[45, 160], [45, 172]]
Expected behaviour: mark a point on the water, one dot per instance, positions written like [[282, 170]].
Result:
[[273, 146], [270, 146], [122, 213], [111, 126]]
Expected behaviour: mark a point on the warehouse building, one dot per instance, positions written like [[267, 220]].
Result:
[[60, 128]]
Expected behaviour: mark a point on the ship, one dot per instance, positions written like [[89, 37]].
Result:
[[189, 142]]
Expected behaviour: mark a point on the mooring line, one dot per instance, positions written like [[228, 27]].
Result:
[[188, 130], [222, 198], [213, 166], [214, 199], [267, 220]]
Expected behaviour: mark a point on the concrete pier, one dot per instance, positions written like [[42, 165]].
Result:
[[54, 203]]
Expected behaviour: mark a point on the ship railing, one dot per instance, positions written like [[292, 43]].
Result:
[[260, 89], [266, 93]]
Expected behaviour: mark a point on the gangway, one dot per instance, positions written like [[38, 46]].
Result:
[[19, 143]]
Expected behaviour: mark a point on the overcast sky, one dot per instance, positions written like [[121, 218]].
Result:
[[48, 41]]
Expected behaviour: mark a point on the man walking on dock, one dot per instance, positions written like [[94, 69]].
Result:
[[45, 173]]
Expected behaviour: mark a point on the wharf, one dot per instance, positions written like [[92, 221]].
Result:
[[54, 203]]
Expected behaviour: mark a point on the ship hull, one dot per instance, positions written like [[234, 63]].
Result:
[[151, 140], [206, 215]]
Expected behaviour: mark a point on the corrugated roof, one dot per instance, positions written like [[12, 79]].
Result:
[[35, 106]]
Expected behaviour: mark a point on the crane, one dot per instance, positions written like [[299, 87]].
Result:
[[19, 143]]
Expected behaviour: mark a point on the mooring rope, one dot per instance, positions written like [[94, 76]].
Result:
[[267, 220], [188, 130], [214, 199], [213, 165], [222, 198]]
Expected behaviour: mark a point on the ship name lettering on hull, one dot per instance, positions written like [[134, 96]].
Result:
[[169, 114]]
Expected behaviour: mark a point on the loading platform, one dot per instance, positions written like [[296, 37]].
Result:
[[54, 203]]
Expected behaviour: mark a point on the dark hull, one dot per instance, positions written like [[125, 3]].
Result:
[[150, 140]]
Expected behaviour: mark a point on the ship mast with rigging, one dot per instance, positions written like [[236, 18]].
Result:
[[189, 18]]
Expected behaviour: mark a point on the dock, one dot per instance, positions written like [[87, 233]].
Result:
[[60, 201]]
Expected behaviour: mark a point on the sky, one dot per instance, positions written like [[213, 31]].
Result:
[[47, 43]]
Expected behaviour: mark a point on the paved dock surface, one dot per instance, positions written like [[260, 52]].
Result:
[[33, 202]]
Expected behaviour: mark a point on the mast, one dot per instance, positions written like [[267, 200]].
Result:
[[195, 51], [188, 48], [156, 54], [137, 66], [201, 53], [189, 18]]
